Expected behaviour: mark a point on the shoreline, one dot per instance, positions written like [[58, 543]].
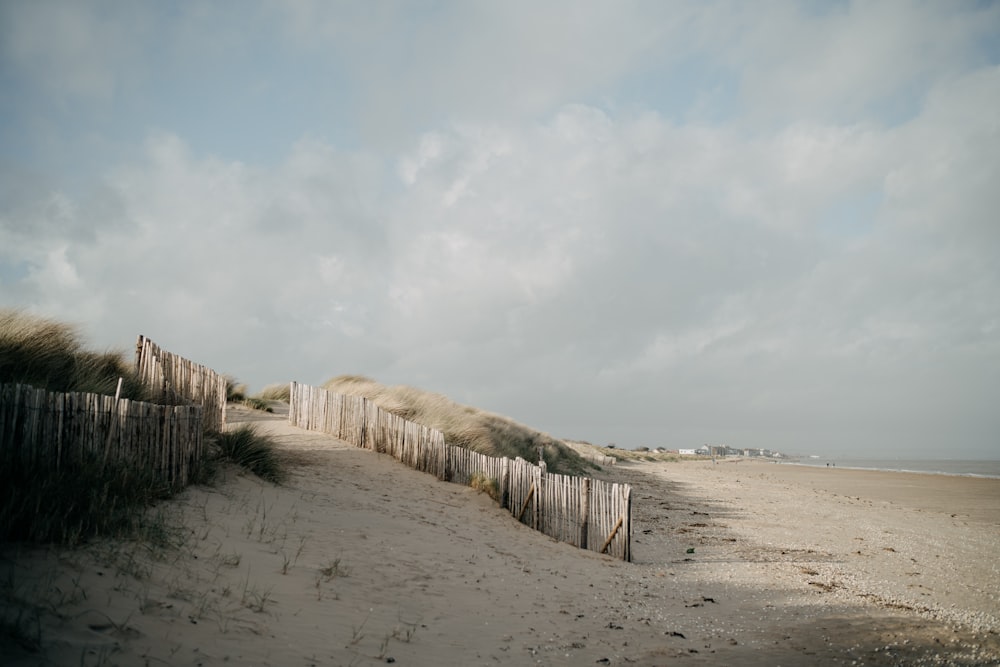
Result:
[[974, 497], [855, 465]]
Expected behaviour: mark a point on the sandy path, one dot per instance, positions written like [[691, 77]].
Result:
[[358, 560]]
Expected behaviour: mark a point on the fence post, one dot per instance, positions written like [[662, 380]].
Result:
[[584, 511], [505, 484], [627, 555]]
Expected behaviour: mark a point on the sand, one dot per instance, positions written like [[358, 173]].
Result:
[[358, 560]]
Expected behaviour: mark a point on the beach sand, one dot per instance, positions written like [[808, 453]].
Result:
[[358, 560]]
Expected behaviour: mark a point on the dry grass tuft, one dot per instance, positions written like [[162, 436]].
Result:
[[480, 481]]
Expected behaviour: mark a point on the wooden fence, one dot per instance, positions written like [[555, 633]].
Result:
[[177, 379], [39, 427], [588, 513]]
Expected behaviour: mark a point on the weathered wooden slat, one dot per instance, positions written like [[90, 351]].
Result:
[[570, 509], [174, 378], [53, 429]]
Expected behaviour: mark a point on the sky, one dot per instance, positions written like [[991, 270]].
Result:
[[769, 225]]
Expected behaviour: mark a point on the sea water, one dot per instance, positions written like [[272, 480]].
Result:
[[942, 467]]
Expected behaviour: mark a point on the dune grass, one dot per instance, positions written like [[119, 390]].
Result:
[[235, 393], [49, 355], [257, 403], [89, 499], [276, 392], [93, 498], [96, 499], [249, 449], [481, 431]]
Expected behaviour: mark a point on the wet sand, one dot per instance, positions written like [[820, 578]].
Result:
[[975, 499]]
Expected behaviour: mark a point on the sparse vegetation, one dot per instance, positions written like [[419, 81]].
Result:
[[333, 569], [75, 503], [276, 392], [235, 393], [465, 426], [248, 448], [256, 403], [92, 498], [480, 481]]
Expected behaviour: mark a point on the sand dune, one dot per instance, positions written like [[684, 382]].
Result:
[[358, 560]]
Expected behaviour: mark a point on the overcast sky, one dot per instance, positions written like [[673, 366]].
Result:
[[647, 223]]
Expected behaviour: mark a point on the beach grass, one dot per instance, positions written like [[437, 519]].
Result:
[[481, 431], [48, 354], [73, 504], [248, 448], [257, 403], [276, 392], [92, 498]]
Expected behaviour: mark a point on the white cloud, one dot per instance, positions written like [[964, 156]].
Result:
[[855, 59], [809, 265]]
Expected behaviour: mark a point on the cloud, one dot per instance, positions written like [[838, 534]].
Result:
[[73, 51], [852, 59], [545, 223]]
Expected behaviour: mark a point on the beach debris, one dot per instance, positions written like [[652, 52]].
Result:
[[674, 633], [701, 602], [690, 550]]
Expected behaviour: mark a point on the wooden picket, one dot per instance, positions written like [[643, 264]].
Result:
[[59, 430], [588, 513], [176, 379]]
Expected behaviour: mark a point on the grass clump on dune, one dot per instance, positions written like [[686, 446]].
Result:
[[49, 355], [478, 430], [480, 481], [249, 449]]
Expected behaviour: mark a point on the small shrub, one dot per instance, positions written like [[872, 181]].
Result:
[[249, 449], [480, 481]]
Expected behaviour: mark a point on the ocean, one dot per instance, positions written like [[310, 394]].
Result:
[[943, 467]]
